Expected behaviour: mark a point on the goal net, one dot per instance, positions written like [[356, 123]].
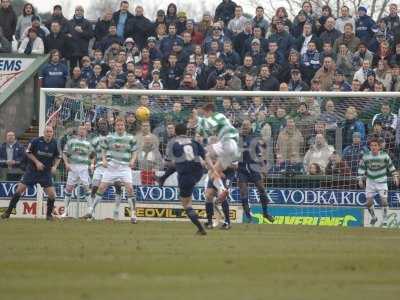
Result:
[[309, 145]]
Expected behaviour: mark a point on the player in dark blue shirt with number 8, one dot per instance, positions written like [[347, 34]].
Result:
[[43, 159]]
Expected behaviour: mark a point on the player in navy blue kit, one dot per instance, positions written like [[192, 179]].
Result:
[[249, 170], [43, 159], [187, 156]]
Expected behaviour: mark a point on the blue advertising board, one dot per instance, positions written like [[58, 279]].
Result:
[[284, 196], [295, 215]]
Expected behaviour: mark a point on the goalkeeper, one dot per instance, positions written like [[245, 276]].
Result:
[[374, 166]]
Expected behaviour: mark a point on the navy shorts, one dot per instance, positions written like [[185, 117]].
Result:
[[187, 182], [244, 175], [32, 177]]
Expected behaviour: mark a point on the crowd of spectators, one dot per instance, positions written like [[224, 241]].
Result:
[[227, 50]]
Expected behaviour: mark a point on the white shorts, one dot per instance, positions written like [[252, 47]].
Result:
[[98, 175], [78, 174], [227, 152], [115, 172], [373, 187]]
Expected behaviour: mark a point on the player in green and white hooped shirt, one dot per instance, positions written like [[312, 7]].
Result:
[[77, 156], [118, 161], [225, 150], [374, 166]]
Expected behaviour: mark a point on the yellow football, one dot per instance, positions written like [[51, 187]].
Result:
[[142, 113]]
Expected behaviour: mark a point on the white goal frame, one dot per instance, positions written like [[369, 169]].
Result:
[[199, 93]]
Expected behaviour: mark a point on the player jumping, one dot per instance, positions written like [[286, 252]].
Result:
[[118, 159], [43, 159], [250, 171], [375, 165], [77, 153]]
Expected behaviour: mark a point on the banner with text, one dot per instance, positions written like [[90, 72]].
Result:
[[11, 68]]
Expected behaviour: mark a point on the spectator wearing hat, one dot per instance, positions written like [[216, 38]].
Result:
[[237, 23], [225, 11], [8, 19], [32, 44], [365, 26], [139, 27], [348, 38], [296, 82], [80, 32], [256, 52], [102, 26], [41, 30], [160, 19], [24, 21], [58, 16], [326, 74], [5, 45], [345, 18], [181, 19], [340, 81], [369, 83], [309, 63], [318, 153]]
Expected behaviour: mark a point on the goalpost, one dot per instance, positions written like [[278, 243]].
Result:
[[308, 182]]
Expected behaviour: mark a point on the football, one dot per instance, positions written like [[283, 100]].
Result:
[[142, 113]]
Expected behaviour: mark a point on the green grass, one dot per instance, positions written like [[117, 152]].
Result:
[[153, 260]]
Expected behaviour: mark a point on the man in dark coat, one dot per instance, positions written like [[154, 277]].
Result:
[[8, 19]]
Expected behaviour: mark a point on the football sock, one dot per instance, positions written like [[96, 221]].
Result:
[[13, 203], [371, 211], [132, 204], [264, 202], [50, 207], [67, 199], [117, 204], [209, 211], [225, 209], [384, 212], [96, 201], [192, 215], [219, 185], [245, 204]]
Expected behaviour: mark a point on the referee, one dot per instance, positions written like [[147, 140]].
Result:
[[43, 159]]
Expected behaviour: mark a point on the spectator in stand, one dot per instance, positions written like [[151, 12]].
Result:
[[283, 38], [8, 19], [102, 27], [121, 19], [12, 154], [353, 153], [109, 39], [206, 23], [57, 40], [281, 14], [365, 26], [160, 19], [395, 86], [167, 42], [237, 23], [330, 117], [139, 27], [384, 74], [74, 79], [369, 83], [304, 120], [5, 45], [196, 36], [360, 55], [41, 30], [392, 21], [31, 44], [348, 38], [54, 74], [260, 21], [296, 83], [230, 57], [337, 166], [57, 16], [386, 137], [318, 153], [344, 19], [386, 117], [326, 74], [289, 146], [307, 36], [344, 62], [341, 82], [395, 58], [225, 11], [265, 81], [321, 21], [327, 51], [309, 63], [330, 34], [350, 126], [256, 52], [24, 21], [170, 18], [239, 41], [181, 22], [79, 30], [383, 53], [361, 74]]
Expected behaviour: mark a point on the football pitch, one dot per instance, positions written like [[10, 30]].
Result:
[[154, 260]]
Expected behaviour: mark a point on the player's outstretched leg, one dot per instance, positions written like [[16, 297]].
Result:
[[370, 206], [21, 188]]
